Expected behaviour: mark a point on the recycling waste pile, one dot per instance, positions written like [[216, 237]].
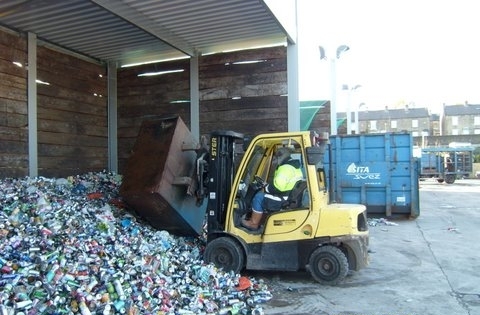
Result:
[[68, 246]]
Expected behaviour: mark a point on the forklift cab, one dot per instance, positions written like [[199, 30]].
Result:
[[260, 171], [256, 171]]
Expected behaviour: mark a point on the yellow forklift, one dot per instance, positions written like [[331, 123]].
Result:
[[173, 183]]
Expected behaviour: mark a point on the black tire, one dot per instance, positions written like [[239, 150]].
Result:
[[328, 265], [440, 180], [450, 179], [225, 253]]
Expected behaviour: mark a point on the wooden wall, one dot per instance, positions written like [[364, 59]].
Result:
[[13, 106], [144, 97], [260, 108], [72, 109], [71, 120], [72, 115], [260, 86]]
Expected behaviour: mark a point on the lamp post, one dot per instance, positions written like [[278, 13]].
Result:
[[333, 84], [357, 122], [349, 102]]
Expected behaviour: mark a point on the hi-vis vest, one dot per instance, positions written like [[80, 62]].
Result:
[[286, 176]]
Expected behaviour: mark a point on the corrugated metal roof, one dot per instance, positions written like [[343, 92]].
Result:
[[130, 31]]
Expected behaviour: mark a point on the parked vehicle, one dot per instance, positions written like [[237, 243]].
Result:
[[172, 182], [446, 164]]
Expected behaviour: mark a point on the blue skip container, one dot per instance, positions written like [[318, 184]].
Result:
[[376, 170]]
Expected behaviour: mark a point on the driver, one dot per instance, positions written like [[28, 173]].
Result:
[[288, 172]]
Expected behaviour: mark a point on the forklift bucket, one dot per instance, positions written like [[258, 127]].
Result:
[[160, 181]]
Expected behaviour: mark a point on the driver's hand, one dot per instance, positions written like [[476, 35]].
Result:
[[242, 186]]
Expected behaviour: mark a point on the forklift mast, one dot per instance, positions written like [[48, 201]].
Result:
[[221, 172]]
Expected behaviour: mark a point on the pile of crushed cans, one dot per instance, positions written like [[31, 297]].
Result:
[[69, 246]]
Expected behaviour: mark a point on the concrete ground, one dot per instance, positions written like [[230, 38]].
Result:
[[430, 265]]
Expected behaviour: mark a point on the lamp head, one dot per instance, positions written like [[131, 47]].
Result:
[[341, 49]]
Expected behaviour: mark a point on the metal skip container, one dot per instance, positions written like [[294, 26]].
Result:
[[161, 175], [376, 170]]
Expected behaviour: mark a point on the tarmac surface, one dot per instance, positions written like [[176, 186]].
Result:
[[428, 265]]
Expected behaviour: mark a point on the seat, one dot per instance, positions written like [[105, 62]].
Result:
[[296, 196]]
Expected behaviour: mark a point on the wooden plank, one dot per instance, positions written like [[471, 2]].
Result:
[[12, 147], [13, 120], [246, 103], [72, 128], [260, 126], [67, 115], [17, 42], [136, 98], [13, 93], [7, 67], [67, 97], [250, 79], [244, 91], [12, 161], [220, 70], [244, 55], [170, 79], [18, 171], [52, 150], [13, 133], [45, 137], [154, 110], [13, 106]]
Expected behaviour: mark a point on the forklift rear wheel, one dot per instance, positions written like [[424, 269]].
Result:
[[328, 265], [225, 253]]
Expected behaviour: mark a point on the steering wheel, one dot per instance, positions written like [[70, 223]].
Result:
[[258, 182]]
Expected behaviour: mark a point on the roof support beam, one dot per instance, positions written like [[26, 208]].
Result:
[[292, 82], [141, 21], [292, 76], [32, 106], [112, 117], [194, 98]]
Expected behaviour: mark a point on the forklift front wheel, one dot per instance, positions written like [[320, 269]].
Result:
[[225, 253], [328, 265]]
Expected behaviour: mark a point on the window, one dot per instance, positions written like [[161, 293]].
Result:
[[455, 132], [454, 121], [415, 134], [373, 125], [414, 123], [477, 131], [466, 131], [476, 120], [393, 124]]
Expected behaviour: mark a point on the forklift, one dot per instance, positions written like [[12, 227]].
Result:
[[178, 185]]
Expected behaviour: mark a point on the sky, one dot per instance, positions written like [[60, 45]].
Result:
[[421, 53]]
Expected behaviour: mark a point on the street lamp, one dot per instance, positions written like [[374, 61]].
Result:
[[357, 122], [349, 102], [333, 84]]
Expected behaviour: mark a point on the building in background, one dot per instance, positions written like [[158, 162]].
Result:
[[415, 120], [461, 119], [455, 120]]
